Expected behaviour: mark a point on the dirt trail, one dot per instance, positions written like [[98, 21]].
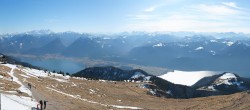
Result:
[[38, 95]]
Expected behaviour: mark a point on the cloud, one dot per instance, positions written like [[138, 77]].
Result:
[[150, 9], [178, 23], [197, 18], [141, 17], [231, 4], [217, 9]]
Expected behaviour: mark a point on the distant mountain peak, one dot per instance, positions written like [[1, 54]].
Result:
[[228, 75], [40, 32]]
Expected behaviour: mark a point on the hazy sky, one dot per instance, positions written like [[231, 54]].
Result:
[[125, 15]]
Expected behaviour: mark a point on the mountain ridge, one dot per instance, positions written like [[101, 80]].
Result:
[[163, 88]]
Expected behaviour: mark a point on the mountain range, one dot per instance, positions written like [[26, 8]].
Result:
[[176, 50]]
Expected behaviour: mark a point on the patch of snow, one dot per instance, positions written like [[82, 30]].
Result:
[[230, 43], [137, 75], [183, 45], [169, 92], [66, 77], [199, 48], [102, 80], [34, 72], [213, 52], [147, 78], [12, 92], [21, 45], [158, 45], [13, 102], [126, 107], [152, 92], [24, 76], [106, 38], [73, 84], [211, 88], [11, 73], [186, 77], [91, 91], [227, 79], [213, 41], [228, 76]]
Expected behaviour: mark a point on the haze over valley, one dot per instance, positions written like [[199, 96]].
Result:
[[186, 51]]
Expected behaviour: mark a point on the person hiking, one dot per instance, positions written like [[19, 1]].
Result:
[[41, 104], [44, 102], [29, 85]]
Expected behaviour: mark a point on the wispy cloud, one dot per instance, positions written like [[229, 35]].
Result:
[[216, 9], [231, 4], [150, 9], [141, 17], [198, 18]]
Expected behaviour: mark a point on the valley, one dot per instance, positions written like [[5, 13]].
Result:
[[73, 65], [162, 51]]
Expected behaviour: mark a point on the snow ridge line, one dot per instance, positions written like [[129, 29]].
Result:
[[93, 102]]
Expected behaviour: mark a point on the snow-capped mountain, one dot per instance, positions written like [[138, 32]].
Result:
[[39, 32], [226, 83]]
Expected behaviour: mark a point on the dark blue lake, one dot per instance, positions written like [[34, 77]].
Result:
[[64, 65]]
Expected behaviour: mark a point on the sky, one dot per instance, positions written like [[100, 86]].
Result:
[[125, 15]]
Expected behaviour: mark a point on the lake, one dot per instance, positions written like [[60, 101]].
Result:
[[64, 65]]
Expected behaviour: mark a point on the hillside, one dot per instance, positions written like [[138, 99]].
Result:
[[177, 84], [80, 93]]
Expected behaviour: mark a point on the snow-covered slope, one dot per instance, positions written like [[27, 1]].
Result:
[[227, 82], [22, 88], [228, 78], [9, 99], [14, 102], [186, 77]]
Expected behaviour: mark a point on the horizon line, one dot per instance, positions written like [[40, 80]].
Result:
[[70, 31]]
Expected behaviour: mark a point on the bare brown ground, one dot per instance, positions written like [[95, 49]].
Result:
[[129, 94], [8, 86], [123, 94]]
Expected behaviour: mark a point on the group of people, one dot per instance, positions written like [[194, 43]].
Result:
[[43, 104]]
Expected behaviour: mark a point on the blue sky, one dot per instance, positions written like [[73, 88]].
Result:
[[125, 15]]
